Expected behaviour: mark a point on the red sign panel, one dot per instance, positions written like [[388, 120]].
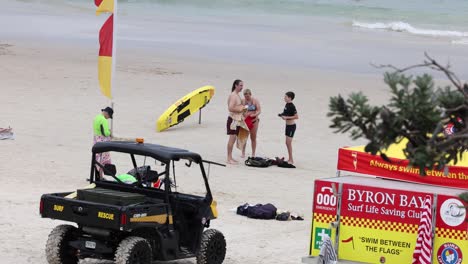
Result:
[[382, 204], [324, 200], [451, 214]]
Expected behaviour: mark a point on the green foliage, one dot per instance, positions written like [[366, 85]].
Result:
[[449, 99], [357, 116], [464, 197], [416, 111]]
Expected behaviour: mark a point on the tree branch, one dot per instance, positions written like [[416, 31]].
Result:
[[458, 108], [432, 64], [383, 66], [452, 77], [463, 135]]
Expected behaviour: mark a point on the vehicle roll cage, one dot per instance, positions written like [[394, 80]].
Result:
[[165, 155]]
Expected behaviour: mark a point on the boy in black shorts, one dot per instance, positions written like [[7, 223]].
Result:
[[289, 115]]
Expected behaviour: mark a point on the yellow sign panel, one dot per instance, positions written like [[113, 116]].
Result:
[[375, 246], [449, 251], [319, 231]]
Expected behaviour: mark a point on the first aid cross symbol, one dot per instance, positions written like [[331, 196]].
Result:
[[319, 237], [322, 234]]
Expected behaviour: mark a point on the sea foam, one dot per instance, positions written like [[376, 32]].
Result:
[[406, 27], [460, 41]]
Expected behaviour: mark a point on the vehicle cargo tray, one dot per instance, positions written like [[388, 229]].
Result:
[[106, 196]]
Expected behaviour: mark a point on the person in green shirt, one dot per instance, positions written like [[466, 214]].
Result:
[[101, 126], [102, 133]]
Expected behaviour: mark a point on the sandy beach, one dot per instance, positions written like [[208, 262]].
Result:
[[49, 96], [52, 125]]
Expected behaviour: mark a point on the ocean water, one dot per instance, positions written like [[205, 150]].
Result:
[[438, 12], [436, 18], [338, 35]]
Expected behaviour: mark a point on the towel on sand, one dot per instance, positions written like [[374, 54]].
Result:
[[6, 133]]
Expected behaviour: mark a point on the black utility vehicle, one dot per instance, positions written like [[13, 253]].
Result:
[[136, 216]]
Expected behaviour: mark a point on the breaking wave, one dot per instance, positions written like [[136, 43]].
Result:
[[460, 42], [405, 27]]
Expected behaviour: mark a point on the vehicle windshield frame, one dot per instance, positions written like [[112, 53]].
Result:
[[94, 172]]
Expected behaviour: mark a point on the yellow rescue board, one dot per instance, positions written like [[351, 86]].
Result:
[[184, 107]]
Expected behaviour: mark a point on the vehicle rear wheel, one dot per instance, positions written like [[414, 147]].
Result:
[[133, 250], [58, 251], [212, 247]]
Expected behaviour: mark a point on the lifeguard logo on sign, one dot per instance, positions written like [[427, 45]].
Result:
[[354, 154], [319, 235], [449, 253], [452, 212]]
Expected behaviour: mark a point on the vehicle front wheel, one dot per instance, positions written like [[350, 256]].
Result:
[[58, 251], [133, 250], [212, 247]]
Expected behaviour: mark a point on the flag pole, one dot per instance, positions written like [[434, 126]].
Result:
[[112, 121], [114, 59]]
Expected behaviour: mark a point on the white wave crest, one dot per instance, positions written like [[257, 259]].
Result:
[[405, 27], [460, 42]]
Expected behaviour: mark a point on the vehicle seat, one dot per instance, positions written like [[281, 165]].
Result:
[[151, 175]]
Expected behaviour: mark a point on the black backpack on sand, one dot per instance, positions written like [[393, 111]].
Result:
[[258, 162]]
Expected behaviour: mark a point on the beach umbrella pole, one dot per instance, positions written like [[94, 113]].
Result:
[[199, 117]]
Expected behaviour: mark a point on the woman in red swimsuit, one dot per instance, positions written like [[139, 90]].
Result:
[[251, 118]]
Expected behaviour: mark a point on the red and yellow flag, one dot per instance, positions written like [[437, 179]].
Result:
[[106, 38], [104, 6]]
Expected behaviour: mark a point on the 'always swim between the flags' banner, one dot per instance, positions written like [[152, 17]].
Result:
[[106, 38]]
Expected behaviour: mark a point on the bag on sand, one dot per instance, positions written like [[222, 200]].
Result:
[[284, 216], [242, 209], [283, 164], [262, 211], [258, 162]]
